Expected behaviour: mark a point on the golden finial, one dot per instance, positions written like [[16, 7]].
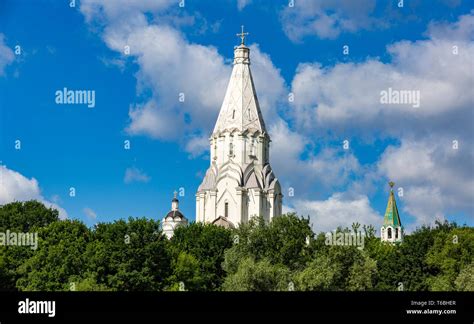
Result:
[[391, 184]]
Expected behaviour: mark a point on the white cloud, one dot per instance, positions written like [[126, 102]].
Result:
[[328, 170], [170, 66], [327, 18], [426, 203], [241, 4], [149, 120], [437, 179], [343, 101], [135, 175], [187, 81], [197, 72], [286, 144], [16, 187], [107, 11], [173, 69], [91, 215], [445, 82], [6, 55], [197, 145], [411, 161], [459, 30], [338, 210]]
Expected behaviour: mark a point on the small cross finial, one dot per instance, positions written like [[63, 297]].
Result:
[[242, 35], [391, 184], [175, 194]]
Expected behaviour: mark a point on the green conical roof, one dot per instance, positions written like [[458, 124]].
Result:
[[391, 217]]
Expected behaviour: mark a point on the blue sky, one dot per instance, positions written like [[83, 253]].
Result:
[[295, 50]]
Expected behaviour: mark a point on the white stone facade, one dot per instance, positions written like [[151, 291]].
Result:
[[391, 234], [239, 183]]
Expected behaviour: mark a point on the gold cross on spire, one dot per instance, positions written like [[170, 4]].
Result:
[[391, 184], [242, 35]]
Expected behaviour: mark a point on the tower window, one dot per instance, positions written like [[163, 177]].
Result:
[[396, 233], [233, 114], [389, 233], [226, 210]]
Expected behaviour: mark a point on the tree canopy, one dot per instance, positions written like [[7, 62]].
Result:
[[285, 254]]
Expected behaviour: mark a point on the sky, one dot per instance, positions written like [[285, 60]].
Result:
[[159, 69]]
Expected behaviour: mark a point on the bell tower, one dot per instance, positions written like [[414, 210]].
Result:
[[392, 229]]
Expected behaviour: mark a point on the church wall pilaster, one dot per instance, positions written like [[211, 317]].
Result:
[[202, 205], [258, 202], [212, 205], [271, 200], [198, 209]]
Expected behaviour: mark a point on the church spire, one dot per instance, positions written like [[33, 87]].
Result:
[[392, 229], [240, 109], [391, 213]]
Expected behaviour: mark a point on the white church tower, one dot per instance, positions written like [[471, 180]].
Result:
[[239, 183]]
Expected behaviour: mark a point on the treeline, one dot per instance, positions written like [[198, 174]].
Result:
[[134, 255]]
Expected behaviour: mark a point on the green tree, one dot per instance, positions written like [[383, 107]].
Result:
[[283, 241], [186, 273], [258, 276], [129, 255], [451, 251], [465, 279], [86, 282], [60, 256], [207, 244], [24, 217], [342, 257], [362, 273], [388, 266], [318, 275], [412, 270]]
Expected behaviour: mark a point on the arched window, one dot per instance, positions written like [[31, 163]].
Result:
[[396, 233], [231, 149], [389, 233], [226, 209]]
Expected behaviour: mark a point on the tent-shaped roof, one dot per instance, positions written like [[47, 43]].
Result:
[[391, 218]]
